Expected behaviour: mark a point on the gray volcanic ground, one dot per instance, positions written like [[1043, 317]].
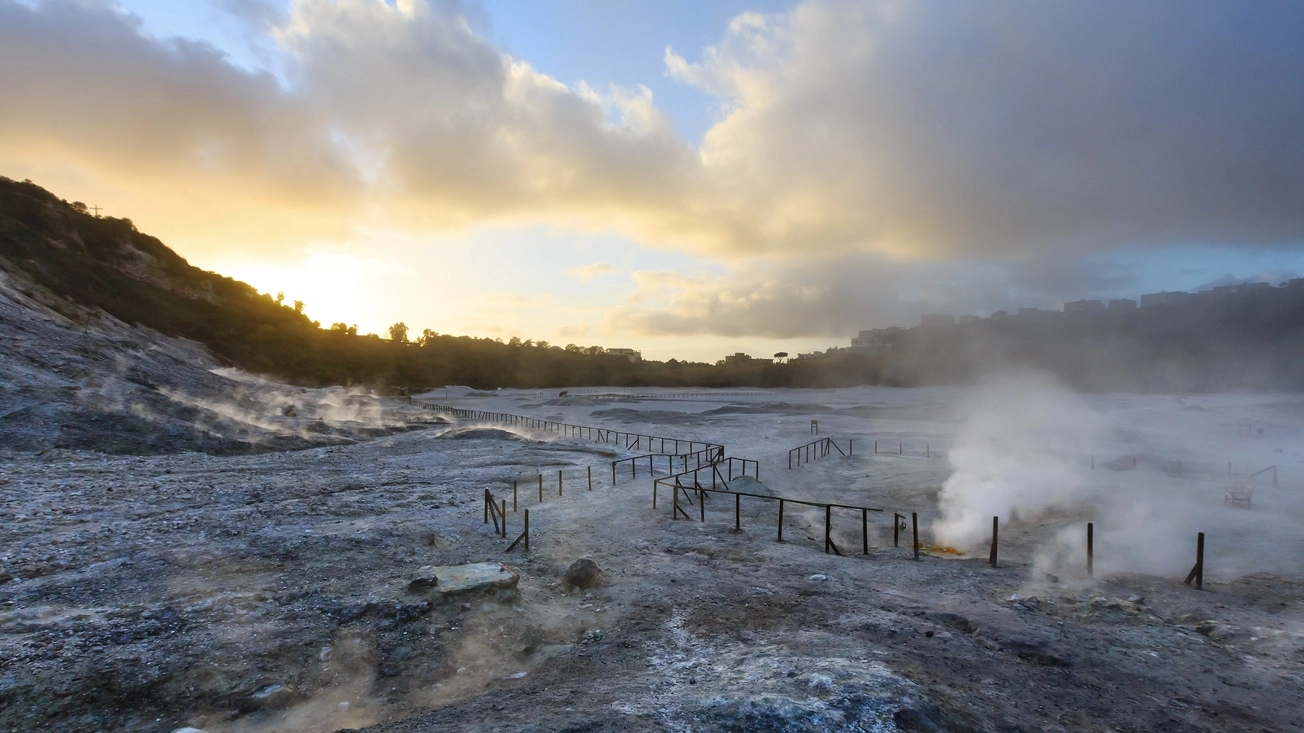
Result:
[[253, 588]]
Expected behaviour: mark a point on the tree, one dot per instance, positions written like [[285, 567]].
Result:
[[427, 337], [398, 333], [298, 306], [79, 207], [781, 356]]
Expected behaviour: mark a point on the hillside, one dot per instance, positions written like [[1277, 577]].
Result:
[[83, 366], [83, 264]]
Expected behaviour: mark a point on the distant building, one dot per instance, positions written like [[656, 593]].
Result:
[[1121, 304], [935, 320], [1084, 306], [1226, 291], [633, 355], [811, 355], [1150, 300], [967, 320], [739, 358], [1035, 314], [874, 343]]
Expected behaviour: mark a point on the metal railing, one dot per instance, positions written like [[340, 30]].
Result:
[[677, 510], [714, 454], [634, 441], [821, 448]]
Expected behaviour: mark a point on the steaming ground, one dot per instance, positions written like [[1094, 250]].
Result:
[[268, 592], [82, 379]]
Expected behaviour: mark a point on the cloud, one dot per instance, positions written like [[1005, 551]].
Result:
[[1017, 137], [461, 133], [822, 298], [1272, 278], [926, 130], [168, 123], [588, 272], [572, 331], [394, 115], [840, 294]]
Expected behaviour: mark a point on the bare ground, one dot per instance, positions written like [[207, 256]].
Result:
[[268, 593]]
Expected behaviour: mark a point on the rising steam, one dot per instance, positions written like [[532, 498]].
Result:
[[1007, 457]]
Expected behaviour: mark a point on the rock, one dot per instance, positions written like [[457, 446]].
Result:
[[290, 411], [477, 577], [1052, 578], [271, 694], [425, 580], [583, 573], [818, 577], [553, 650], [187, 729]]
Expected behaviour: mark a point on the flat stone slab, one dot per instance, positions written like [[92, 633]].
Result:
[[477, 576]]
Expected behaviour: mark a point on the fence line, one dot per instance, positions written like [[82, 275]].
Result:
[[886, 448], [714, 454], [495, 511], [817, 449], [703, 493], [633, 441]]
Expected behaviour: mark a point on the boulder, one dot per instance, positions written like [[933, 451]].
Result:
[[583, 573]]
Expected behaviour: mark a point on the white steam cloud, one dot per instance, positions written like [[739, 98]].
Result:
[[1046, 461], [1004, 458]]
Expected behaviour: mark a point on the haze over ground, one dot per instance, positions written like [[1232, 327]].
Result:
[[685, 180]]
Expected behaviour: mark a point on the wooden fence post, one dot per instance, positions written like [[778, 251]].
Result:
[[995, 536], [1197, 572], [1091, 549], [828, 527]]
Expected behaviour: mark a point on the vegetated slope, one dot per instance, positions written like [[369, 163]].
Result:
[[76, 373], [105, 263], [84, 261]]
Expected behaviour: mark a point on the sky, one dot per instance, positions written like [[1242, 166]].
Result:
[[691, 179]]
